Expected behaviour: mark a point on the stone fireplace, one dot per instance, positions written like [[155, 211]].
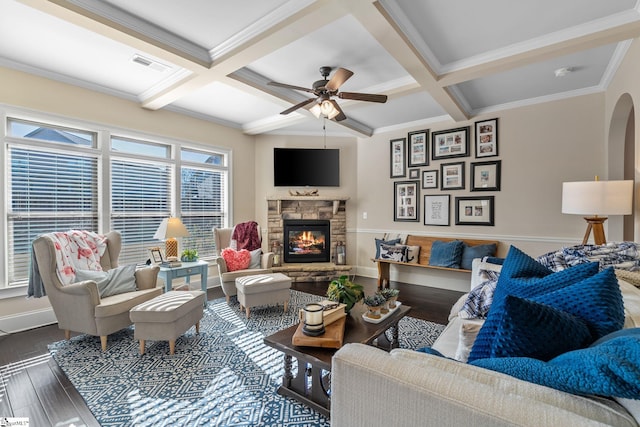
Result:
[[312, 211]]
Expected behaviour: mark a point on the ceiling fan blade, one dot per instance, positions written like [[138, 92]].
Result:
[[304, 89], [363, 97], [340, 115], [339, 77], [298, 105]]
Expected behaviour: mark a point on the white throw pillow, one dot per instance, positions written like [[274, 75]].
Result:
[[255, 258], [413, 254], [469, 329]]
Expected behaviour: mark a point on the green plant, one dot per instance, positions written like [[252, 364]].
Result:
[[189, 255], [389, 293], [374, 300], [345, 291]]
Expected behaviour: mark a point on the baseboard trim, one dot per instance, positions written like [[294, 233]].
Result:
[[27, 320]]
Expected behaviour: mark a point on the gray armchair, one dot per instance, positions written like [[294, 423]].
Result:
[[78, 307], [222, 239]]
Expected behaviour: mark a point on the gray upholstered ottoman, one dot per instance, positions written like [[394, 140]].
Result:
[[167, 316], [263, 289]]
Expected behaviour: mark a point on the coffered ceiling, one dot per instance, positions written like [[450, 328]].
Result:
[[212, 59]]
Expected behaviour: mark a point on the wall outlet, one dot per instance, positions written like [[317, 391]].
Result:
[[364, 215]]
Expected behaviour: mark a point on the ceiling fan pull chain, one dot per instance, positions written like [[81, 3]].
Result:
[[324, 130]]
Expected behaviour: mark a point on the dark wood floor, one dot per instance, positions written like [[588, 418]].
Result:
[[32, 385]]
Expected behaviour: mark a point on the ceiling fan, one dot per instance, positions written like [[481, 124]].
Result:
[[325, 89]]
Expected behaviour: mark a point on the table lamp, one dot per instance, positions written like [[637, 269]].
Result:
[[596, 199], [169, 229]]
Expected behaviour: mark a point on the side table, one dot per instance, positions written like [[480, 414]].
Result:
[[186, 270]]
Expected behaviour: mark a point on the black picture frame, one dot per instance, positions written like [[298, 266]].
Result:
[[418, 148], [436, 209], [430, 179], [452, 176], [398, 158], [486, 132], [475, 210], [406, 201], [485, 176], [446, 144], [414, 173]]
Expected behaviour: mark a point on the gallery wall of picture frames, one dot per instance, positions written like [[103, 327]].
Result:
[[434, 162]]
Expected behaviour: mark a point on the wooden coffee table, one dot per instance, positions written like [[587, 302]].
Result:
[[311, 384]]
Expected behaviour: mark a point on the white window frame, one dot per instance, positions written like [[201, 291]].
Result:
[[103, 153]]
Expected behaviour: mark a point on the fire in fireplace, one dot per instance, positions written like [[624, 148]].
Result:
[[307, 240]]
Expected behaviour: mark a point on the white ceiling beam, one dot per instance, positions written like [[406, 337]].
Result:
[[618, 33]]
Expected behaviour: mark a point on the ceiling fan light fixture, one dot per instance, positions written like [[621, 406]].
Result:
[[324, 109]]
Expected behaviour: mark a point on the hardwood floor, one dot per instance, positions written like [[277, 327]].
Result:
[[32, 385]]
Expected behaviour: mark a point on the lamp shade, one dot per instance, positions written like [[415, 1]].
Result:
[[169, 228], [597, 197]]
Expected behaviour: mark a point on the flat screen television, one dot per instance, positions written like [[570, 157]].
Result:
[[306, 167]]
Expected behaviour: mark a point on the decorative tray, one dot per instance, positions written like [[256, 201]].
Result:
[[382, 317]]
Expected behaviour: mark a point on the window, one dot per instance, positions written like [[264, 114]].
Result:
[[57, 181]]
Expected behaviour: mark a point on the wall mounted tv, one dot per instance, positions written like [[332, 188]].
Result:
[[306, 167]]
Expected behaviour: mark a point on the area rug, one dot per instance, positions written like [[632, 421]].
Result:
[[225, 376]]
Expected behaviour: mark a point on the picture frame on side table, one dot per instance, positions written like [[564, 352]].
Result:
[[475, 210], [398, 158], [406, 204], [430, 179], [418, 148], [156, 255], [452, 176], [485, 176], [487, 138], [450, 143], [436, 209]]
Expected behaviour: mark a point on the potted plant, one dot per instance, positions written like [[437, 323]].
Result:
[[391, 295], [189, 255], [374, 305], [345, 291]]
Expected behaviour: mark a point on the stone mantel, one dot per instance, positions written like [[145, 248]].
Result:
[[335, 199]]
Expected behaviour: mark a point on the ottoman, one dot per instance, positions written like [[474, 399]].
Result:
[[167, 316], [263, 289]]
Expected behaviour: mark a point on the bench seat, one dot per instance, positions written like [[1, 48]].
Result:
[[425, 243]]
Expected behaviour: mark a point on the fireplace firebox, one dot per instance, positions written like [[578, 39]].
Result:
[[307, 240]]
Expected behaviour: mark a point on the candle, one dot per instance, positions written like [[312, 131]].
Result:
[[313, 316]]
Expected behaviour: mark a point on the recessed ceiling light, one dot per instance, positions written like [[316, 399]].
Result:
[[561, 72]]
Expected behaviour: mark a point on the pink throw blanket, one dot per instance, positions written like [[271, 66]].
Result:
[[246, 236], [77, 250]]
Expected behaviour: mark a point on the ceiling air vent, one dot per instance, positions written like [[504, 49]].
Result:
[[146, 62]]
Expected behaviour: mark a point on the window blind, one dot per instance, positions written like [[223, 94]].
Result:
[[49, 192]]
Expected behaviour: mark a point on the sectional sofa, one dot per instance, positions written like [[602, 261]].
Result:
[[371, 387]]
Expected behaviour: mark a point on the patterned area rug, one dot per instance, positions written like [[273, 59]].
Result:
[[225, 376]]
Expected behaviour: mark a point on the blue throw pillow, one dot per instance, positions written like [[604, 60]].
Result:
[[380, 242], [469, 253], [529, 329], [596, 300], [446, 254], [524, 277], [430, 350], [610, 368]]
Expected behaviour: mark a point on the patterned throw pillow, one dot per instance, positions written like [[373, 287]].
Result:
[[380, 242], [393, 252], [236, 260], [413, 254]]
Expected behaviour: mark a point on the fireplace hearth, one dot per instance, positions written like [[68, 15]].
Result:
[[307, 240]]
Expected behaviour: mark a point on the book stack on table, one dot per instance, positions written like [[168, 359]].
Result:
[[334, 321]]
